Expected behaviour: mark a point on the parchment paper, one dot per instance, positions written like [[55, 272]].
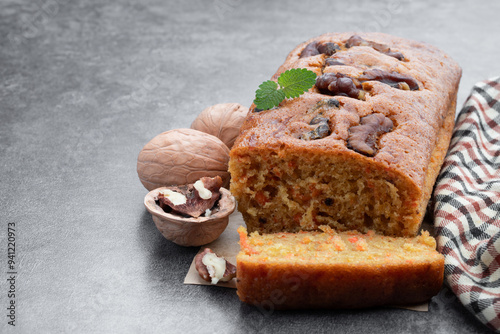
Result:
[[227, 246]]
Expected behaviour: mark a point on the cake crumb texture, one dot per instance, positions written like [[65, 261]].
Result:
[[329, 269]]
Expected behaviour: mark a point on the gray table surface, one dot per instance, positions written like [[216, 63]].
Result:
[[84, 85]]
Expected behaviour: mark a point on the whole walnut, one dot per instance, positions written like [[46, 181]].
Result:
[[182, 156], [221, 120]]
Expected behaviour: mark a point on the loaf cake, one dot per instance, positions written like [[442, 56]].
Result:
[[329, 269], [360, 150]]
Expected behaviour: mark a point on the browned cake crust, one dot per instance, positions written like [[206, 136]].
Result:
[[336, 270], [360, 150]]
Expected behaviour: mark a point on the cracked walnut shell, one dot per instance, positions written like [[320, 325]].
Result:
[[182, 156], [191, 231]]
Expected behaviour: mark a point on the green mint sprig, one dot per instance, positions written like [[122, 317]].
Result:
[[291, 84]]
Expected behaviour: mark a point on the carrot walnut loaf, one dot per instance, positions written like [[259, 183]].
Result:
[[332, 269], [360, 150]]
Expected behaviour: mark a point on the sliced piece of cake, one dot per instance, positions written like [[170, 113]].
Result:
[[329, 269]]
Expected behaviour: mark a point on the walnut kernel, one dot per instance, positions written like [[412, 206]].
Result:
[[192, 200], [363, 138], [213, 268]]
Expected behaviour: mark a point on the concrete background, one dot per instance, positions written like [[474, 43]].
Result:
[[83, 86]]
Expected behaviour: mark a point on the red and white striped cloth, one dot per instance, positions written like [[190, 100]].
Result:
[[467, 205]]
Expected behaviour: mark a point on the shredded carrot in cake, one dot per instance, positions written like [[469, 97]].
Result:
[[353, 240], [338, 243], [244, 240], [330, 246], [362, 245]]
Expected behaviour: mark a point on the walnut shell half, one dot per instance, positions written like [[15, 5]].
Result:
[[191, 231], [182, 156], [222, 120]]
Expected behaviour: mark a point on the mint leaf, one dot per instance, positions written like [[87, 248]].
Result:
[[292, 83], [296, 81], [268, 95]]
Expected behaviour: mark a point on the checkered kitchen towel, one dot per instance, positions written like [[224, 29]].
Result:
[[467, 205]]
